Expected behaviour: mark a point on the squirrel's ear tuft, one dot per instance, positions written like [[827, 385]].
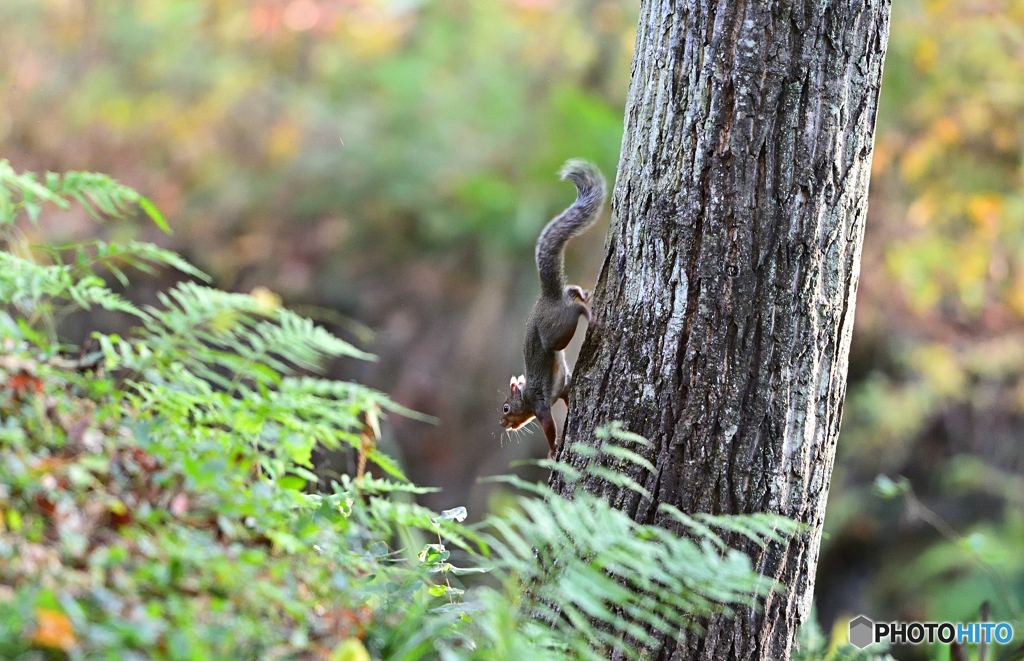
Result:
[[522, 380], [513, 384]]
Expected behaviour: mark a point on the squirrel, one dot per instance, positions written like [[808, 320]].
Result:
[[552, 323]]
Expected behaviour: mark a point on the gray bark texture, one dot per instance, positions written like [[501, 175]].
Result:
[[726, 298]]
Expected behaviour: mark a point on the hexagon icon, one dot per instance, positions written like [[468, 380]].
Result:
[[862, 632]]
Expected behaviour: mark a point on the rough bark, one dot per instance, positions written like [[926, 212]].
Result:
[[726, 298]]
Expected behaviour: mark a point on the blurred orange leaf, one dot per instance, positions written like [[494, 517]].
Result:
[[986, 211], [21, 382], [53, 630]]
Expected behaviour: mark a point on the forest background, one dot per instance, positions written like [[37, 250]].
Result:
[[386, 165]]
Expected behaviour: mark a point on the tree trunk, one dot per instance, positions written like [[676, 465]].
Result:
[[727, 293]]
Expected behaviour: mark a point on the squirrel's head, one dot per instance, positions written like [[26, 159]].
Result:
[[514, 414]]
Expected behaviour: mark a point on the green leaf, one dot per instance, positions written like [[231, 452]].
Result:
[[388, 464], [378, 550], [351, 649], [618, 479], [293, 482], [433, 554], [456, 514], [154, 214], [615, 429], [886, 487], [628, 455]]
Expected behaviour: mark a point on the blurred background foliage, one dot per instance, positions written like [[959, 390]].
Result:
[[390, 162]]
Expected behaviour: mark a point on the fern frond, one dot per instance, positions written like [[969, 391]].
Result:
[[101, 196], [591, 569], [615, 429], [618, 479], [22, 191], [218, 333], [29, 286], [347, 393], [627, 455], [140, 255], [374, 486]]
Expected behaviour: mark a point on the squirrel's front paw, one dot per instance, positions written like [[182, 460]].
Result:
[[586, 296]]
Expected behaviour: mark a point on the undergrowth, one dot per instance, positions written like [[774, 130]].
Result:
[[158, 500]]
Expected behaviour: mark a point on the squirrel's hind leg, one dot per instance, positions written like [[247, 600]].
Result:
[[561, 380], [580, 300], [573, 292], [563, 394], [565, 327], [584, 311]]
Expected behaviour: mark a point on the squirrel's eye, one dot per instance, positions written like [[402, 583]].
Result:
[[505, 409]]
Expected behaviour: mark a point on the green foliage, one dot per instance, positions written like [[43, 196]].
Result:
[[39, 290], [602, 582], [423, 121], [157, 498], [99, 195], [812, 645], [152, 490], [984, 565]]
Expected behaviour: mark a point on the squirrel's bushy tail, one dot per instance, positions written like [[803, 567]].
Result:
[[580, 215]]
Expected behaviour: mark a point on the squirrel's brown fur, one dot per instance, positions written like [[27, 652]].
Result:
[[553, 320]]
